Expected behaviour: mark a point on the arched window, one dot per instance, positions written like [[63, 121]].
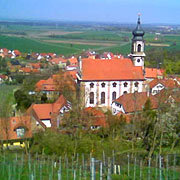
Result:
[[114, 95], [125, 84], [139, 48], [91, 97], [114, 84], [103, 98], [103, 85], [125, 92], [91, 85]]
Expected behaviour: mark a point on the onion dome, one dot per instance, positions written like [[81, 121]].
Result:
[[138, 31]]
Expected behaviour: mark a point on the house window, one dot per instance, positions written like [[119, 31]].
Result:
[[20, 132], [125, 84], [125, 92], [114, 84], [138, 60], [114, 95], [91, 98], [139, 48], [91, 85], [136, 84], [103, 98], [103, 85]]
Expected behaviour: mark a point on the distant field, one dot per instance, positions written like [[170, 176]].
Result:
[[33, 45], [69, 40]]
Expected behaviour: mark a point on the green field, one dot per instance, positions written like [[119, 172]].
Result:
[[73, 39]]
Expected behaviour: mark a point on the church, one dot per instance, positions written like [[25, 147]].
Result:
[[103, 81]]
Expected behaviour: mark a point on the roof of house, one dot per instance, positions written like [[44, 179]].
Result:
[[58, 60], [45, 85], [135, 101], [115, 69], [73, 60], [45, 111], [98, 117], [13, 124], [153, 72], [168, 83]]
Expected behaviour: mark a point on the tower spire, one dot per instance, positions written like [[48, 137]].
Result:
[[138, 44]]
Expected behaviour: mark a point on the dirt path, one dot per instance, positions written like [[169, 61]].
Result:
[[82, 42], [157, 45]]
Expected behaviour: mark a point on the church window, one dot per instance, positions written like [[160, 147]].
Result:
[[114, 95], [139, 48], [103, 98], [138, 60], [91, 85], [91, 98], [125, 84], [114, 84], [136, 84], [103, 85], [125, 92]]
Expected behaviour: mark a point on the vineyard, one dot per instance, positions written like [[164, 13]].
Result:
[[81, 167]]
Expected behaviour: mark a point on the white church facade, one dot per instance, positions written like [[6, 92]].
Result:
[[103, 81]]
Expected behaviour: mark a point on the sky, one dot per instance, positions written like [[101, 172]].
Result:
[[122, 11]]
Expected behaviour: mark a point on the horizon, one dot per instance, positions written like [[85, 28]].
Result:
[[105, 11]]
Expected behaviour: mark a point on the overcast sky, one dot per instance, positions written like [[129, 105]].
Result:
[[124, 11]]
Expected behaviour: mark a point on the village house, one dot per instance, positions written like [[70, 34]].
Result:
[[48, 115], [135, 102], [15, 130], [157, 85]]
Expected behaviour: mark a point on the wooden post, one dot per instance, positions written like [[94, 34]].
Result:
[[109, 169], [128, 164], [92, 169], [101, 171], [119, 169], [160, 166]]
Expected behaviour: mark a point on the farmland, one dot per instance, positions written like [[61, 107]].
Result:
[[74, 38]]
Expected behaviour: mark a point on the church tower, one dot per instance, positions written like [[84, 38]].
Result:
[[137, 52]]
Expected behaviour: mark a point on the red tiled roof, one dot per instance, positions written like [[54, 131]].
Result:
[[57, 60], [168, 83], [45, 85], [98, 116], [35, 65], [45, 111], [17, 52], [134, 102], [12, 124], [26, 70], [73, 60], [115, 69], [153, 72]]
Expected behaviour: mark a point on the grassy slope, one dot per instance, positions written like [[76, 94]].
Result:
[[30, 45]]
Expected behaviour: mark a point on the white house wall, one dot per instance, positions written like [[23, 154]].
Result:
[[109, 89], [156, 89]]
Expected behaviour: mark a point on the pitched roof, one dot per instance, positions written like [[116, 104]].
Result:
[[168, 83], [98, 117], [73, 60], [58, 60], [13, 123], [115, 69], [153, 72], [134, 102], [45, 111]]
